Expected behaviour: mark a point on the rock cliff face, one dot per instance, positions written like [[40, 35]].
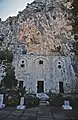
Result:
[[41, 38], [42, 28]]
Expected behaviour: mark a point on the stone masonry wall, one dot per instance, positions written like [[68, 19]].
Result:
[[42, 29]]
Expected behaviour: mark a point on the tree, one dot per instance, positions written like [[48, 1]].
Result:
[[2, 55], [6, 55], [9, 80]]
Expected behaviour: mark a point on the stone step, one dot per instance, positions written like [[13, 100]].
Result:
[[44, 103]]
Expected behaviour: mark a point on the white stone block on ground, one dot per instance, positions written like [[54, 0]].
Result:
[[22, 101], [21, 106], [1, 101], [66, 106]]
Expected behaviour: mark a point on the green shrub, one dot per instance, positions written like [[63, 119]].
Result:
[[31, 102], [56, 100], [12, 102]]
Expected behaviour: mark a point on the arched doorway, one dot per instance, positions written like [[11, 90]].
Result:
[[40, 86], [40, 71]]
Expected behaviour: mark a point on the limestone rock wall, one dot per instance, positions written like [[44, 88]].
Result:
[[42, 29], [46, 28]]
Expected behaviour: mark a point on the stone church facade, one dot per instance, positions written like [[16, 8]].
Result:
[[41, 38], [45, 73]]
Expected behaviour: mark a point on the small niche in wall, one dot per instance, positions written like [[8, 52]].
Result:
[[22, 65], [40, 62], [24, 52], [65, 15], [22, 61], [54, 18], [58, 62], [59, 66], [20, 84], [58, 48], [61, 89]]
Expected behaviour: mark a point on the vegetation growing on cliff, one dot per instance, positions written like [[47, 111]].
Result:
[[9, 80]]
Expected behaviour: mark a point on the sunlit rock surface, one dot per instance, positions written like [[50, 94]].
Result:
[[42, 32]]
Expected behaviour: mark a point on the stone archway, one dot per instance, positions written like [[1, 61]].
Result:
[[59, 74], [40, 71]]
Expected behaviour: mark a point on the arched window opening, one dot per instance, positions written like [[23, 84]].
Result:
[[54, 18], [58, 62], [22, 65], [24, 52], [22, 61], [59, 48], [40, 62], [59, 66]]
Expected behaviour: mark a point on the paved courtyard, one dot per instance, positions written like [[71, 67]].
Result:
[[42, 112]]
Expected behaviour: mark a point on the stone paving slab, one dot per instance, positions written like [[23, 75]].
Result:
[[39, 113], [58, 113], [14, 114], [2, 117], [74, 114], [17, 113], [45, 118], [24, 118], [32, 109], [44, 110], [9, 108], [44, 113], [33, 115], [30, 113], [27, 118], [11, 118], [4, 114]]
